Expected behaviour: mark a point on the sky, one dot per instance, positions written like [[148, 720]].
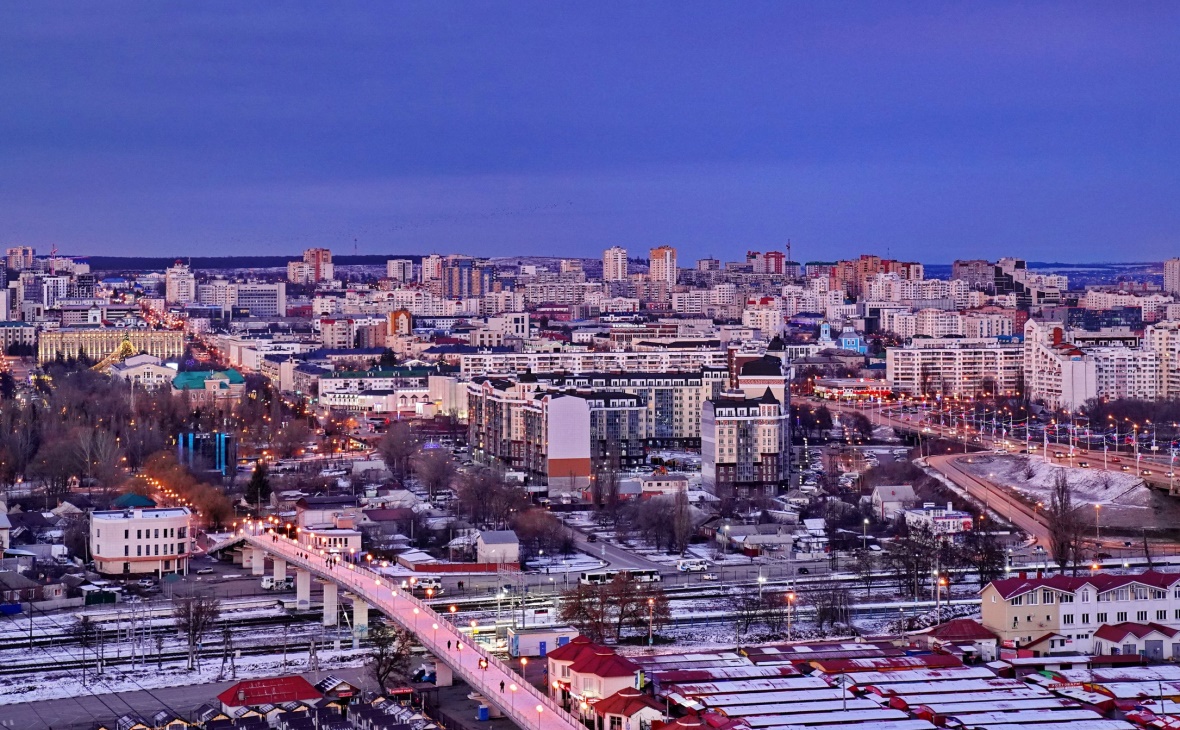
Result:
[[927, 131]]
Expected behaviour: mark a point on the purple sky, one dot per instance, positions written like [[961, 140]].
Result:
[[927, 131]]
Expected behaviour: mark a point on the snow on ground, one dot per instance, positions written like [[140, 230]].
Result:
[[575, 563], [1126, 501], [51, 685]]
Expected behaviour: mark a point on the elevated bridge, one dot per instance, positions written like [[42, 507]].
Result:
[[454, 651]]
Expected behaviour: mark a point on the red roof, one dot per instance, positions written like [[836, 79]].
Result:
[[887, 664], [572, 650], [626, 702], [708, 720], [1009, 587], [273, 691], [1117, 632], [608, 664], [963, 629]]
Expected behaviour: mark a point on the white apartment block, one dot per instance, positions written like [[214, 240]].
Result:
[[180, 285], [663, 265], [745, 445], [432, 267], [1061, 374], [139, 541], [942, 323], [1163, 339], [399, 270], [659, 361], [1070, 610], [614, 264], [955, 366], [765, 314], [1172, 277], [1153, 306]]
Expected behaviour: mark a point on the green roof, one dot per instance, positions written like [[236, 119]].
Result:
[[195, 379], [130, 500]]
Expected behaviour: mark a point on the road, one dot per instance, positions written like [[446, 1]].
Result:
[[994, 496], [82, 712]]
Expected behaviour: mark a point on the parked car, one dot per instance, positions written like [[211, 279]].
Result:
[[205, 571], [708, 576]]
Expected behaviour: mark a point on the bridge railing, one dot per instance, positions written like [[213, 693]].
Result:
[[368, 584]]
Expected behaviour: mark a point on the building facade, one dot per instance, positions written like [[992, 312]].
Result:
[[141, 541], [745, 445]]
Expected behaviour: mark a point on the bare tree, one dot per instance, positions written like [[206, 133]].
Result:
[[85, 633], [682, 522], [391, 654], [195, 615], [832, 606], [865, 563], [396, 448], [1063, 522], [435, 468]]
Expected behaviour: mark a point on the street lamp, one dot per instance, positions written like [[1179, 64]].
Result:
[[651, 612], [539, 708], [1097, 527], [864, 538], [790, 611], [512, 689]]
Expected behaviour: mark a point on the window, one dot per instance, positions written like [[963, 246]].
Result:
[[157, 533], [127, 552], [1032, 598], [1121, 616], [1161, 615], [139, 534], [1046, 597], [126, 534], [180, 548], [1141, 616], [1066, 598], [1067, 619], [1102, 618], [1086, 596], [183, 532], [139, 550], [1018, 601], [99, 532]]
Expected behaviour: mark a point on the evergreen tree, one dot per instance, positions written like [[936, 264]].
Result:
[[258, 488]]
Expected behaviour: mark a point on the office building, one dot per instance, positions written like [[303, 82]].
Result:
[[141, 541], [315, 267], [97, 342], [614, 264]]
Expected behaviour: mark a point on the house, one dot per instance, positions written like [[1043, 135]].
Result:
[[653, 485], [334, 688], [582, 670], [627, 709], [210, 387], [258, 692], [16, 588], [889, 500], [964, 636], [497, 546], [939, 521], [1151, 641], [165, 720], [5, 532]]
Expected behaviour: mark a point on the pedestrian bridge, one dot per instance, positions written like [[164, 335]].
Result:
[[526, 706]]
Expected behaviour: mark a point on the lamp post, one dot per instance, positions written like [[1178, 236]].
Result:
[[512, 690], [864, 536], [1097, 527], [539, 709], [651, 612], [790, 611]]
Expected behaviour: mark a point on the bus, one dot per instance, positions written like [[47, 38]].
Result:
[[643, 576], [597, 577]]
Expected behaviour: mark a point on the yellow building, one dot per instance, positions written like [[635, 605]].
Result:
[[98, 342]]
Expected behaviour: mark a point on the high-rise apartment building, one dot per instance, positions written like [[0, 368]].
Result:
[[315, 267], [745, 445], [663, 265], [614, 264], [19, 258], [709, 264], [978, 273], [180, 285], [432, 267], [399, 270], [1172, 276]]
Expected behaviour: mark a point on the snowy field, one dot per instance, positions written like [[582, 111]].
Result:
[[1126, 501]]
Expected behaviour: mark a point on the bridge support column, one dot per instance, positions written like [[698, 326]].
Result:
[[331, 603], [360, 622], [302, 589], [258, 561], [443, 676], [280, 568]]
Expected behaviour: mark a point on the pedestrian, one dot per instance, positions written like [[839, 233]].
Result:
[[501, 685], [448, 646]]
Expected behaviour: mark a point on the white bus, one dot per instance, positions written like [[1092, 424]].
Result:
[[597, 577], [643, 576], [692, 565]]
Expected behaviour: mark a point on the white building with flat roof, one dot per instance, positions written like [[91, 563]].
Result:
[[139, 541]]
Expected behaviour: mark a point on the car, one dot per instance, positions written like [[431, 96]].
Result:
[[1084, 464], [1126, 467], [1115, 460], [1059, 455], [205, 571], [592, 537], [708, 576], [804, 571], [1145, 473], [146, 582]]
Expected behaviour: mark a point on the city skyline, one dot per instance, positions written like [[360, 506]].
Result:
[[916, 133]]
